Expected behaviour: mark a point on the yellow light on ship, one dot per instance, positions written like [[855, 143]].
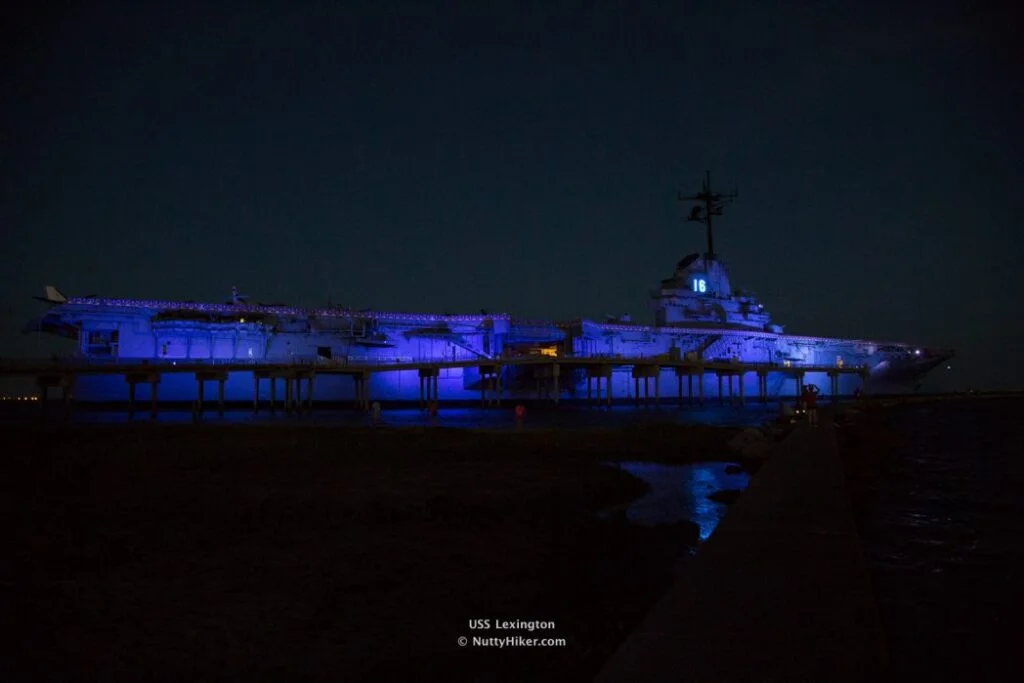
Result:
[[241, 320], [549, 352]]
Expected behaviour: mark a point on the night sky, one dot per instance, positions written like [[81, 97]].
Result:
[[446, 158]]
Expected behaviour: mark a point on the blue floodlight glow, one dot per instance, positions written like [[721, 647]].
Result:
[[729, 328], [680, 493]]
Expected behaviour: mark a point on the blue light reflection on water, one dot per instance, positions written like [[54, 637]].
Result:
[[563, 417], [680, 492]]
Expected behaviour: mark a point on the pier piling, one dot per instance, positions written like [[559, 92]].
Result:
[[131, 400], [153, 397], [197, 410], [202, 377], [599, 373], [762, 385], [542, 373], [428, 387], [362, 386], [490, 385], [833, 382], [133, 379], [67, 392]]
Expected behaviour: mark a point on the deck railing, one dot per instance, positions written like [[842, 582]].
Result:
[[72, 363]]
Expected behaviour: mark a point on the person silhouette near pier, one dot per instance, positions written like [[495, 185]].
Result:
[[810, 401], [520, 415]]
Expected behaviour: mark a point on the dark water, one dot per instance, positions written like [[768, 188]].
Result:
[[680, 492], [942, 521], [547, 417]]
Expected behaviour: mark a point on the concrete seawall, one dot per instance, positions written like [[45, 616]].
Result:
[[780, 591]]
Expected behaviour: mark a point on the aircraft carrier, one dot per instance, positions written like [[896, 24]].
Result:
[[698, 318]]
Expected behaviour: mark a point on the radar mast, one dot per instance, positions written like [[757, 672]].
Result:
[[711, 205]]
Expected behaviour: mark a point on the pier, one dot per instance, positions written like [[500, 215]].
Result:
[[544, 373], [779, 592]]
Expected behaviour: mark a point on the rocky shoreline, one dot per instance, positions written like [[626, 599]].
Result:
[[297, 552]]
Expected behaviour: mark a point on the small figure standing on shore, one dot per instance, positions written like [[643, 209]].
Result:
[[810, 401], [520, 415]]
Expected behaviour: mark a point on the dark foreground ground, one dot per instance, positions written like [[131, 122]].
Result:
[[150, 552]]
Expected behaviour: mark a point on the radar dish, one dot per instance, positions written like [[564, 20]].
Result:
[[687, 261]]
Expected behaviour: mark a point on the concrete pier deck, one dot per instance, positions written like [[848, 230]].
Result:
[[779, 592]]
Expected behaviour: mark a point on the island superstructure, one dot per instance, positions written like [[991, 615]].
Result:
[[698, 317]]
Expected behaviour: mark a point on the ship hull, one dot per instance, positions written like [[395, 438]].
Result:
[[165, 332]]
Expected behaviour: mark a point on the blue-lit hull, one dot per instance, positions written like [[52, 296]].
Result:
[[699, 319]]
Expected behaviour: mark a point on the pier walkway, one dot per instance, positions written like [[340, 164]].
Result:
[[779, 592], [543, 372]]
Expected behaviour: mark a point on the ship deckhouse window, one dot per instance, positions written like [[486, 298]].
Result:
[[700, 285]]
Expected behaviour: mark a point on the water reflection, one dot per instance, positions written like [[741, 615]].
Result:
[[564, 417], [680, 492], [940, 518]]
